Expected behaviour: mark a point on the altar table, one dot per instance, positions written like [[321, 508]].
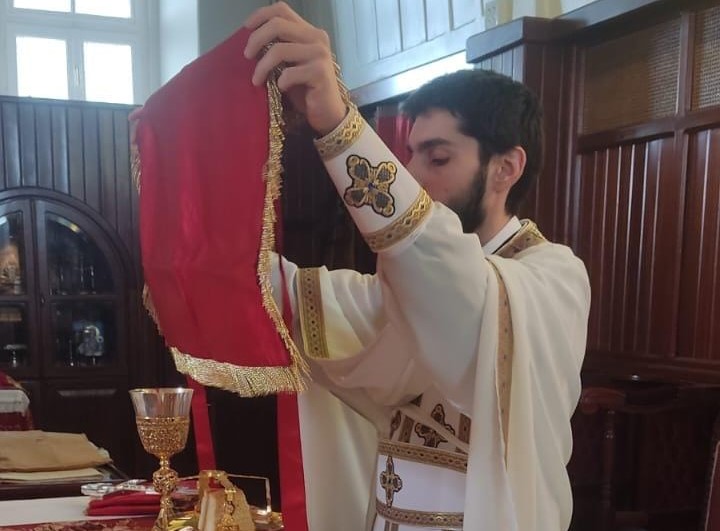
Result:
[[63, 514]]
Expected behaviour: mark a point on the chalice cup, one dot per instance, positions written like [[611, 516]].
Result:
[[162, 416]]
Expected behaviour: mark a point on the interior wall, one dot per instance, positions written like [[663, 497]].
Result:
[[178, 32], [570, 5], [219, 19]]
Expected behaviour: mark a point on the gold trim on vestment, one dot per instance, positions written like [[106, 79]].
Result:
[[528, 236], [249, 381], [503, 377], [424, 455], [403, 226], [312, 319], [420, 518], [343, 136]]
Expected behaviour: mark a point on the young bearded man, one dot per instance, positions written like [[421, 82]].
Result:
[[465, 349]]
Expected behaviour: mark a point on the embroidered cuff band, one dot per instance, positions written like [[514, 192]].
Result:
[[343, 136], [402, 227]]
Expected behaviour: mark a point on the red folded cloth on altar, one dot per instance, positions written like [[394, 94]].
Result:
[[124, 503], [209, 145], [14, 406], [8, 383]]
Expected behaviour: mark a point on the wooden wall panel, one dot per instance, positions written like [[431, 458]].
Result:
[[26, 128], [60, 151], [108, 193], [91, 158], [630, 211], [643, 66], [44, 152], [11, 144], [549, 201], [124, 188], [75, 179], [508, 63], [73, 149], [699, 332]]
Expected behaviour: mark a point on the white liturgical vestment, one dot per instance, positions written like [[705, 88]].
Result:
[[490, 339]]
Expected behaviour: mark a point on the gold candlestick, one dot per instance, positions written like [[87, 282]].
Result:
[[162, 416]]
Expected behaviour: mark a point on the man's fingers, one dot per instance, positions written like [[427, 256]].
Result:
[[288, 54], [301, 75], [279, 29], [262, 15]]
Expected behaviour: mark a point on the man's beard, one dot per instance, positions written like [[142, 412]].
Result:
[[468, 206]]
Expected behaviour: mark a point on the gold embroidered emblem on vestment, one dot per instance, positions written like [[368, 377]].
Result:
[[430, 436], [371, 185], [390, 481]]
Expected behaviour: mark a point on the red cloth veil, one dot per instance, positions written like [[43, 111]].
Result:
[[207, 162], [210, 146]]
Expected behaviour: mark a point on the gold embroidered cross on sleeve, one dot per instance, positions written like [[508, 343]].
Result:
[[371, 185]]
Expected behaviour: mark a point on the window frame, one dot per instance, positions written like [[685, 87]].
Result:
[[76, 29]]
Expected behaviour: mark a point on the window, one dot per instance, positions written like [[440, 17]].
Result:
[[94, 50]]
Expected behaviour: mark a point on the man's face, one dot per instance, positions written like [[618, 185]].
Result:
[[447, 164]]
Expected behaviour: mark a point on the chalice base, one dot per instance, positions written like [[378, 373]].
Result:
[[165, 480]]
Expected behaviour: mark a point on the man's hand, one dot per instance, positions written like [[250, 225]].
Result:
[[308, 75]]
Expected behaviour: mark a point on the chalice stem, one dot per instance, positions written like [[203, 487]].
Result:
[[164, 480]]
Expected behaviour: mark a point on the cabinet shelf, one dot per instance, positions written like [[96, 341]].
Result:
[[88, 297], [14, 299]]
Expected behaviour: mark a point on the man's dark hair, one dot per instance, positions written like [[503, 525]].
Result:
[[495, 110]]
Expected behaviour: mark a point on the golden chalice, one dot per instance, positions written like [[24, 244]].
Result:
[[163, 418]]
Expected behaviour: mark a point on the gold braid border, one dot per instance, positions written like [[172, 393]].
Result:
[[273, 179], [312, 320], [420, 518], [248, 381], [402, 227], [528, 236]]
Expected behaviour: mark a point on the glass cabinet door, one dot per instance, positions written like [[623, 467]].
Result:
[[84, 333], [14, 336], [80, 292], [17, 310], [12, 254], [76, 266]]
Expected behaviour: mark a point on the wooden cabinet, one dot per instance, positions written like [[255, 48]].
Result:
[[72, 327], [64, 293]]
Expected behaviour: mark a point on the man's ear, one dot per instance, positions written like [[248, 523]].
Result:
[[506, 168]]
